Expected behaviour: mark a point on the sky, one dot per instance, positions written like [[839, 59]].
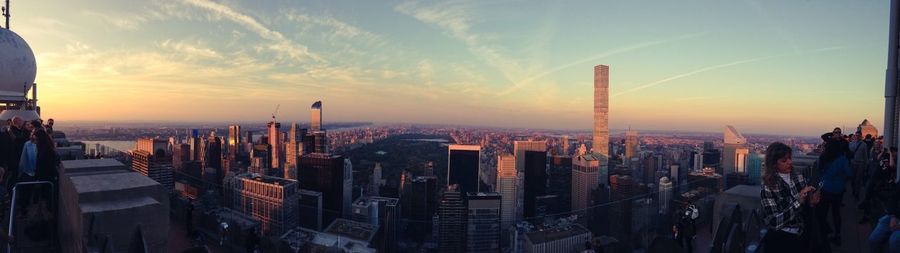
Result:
[[774, 67]]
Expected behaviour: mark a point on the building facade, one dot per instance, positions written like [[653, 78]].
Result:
[[271, 200]]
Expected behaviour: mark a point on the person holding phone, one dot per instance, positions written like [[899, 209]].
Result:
[[783, 196]]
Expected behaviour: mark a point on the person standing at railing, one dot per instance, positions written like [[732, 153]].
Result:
[[835, 170], [783, 195]]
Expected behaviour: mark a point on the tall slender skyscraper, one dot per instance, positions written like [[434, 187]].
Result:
[[315, 123], [277, 144], [463, 166], [507, 183], [601, 111]]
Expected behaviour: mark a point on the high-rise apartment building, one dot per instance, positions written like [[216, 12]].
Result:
[[463, 166], [507, 185], [585, 179], [156, 166], [483, 229], [271, 200], [277, 144], [601, 110]]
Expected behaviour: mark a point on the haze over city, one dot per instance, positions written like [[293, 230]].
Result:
[[776, 68]]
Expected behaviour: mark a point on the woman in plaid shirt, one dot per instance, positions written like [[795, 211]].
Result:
[[783, 195]]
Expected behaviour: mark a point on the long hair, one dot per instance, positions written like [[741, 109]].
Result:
[[44, 142], [776, 151], [833, 150]]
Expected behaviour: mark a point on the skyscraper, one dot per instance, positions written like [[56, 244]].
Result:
[[419, 202], [276, 143], [601, 111], [483, 229], [452, 216], [315, 122], [507, 185], [463, 166], [235, 148], [631, 144], [271, 200], [666, 193], [531, 161], [332, 176], [754, 168], [153, 162], [213, 158], [585, 179], [734, 155], [292, 151]]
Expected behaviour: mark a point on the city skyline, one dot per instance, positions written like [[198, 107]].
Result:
[[438, 63]]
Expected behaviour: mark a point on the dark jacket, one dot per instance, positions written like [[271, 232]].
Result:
[[18, 137], [47, 168]]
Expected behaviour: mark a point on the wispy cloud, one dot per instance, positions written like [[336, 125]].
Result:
[[725, 65], [279, 43], [522, 83], [455, 17], [687, 99], [129, 21], [192, 49], [691, 73]]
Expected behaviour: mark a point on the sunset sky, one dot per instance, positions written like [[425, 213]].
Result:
[[785, 67]]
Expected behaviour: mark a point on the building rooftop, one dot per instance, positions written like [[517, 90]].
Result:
[[265, 179], [552, 234], [73, 167], [301, 238], [368, 200], [351, 229]]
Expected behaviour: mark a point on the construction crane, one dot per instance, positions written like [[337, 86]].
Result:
[[276, 111]]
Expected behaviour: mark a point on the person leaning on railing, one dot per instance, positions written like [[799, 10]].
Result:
[[783, 195]]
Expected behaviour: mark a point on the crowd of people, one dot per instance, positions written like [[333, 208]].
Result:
[[27, 154], [797, 205]]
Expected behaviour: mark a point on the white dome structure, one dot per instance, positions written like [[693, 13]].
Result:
[[17, 66]]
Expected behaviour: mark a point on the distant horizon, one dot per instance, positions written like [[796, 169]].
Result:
[[225, 124]]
